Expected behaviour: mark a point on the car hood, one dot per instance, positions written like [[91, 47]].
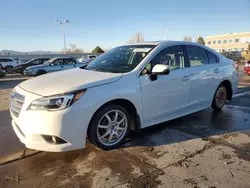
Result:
[[67, 81]]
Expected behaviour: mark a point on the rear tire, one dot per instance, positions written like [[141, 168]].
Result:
[[9, 69], [220, 98], [40, 72], [109, 127]]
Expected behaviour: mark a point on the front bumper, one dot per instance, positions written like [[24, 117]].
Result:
[[29, 73], [17, 70], [69, 125]]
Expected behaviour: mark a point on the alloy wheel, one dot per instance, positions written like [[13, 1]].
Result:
[[112, 127], [221, 97]]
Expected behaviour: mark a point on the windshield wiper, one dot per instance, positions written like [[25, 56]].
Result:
[[101, 70]]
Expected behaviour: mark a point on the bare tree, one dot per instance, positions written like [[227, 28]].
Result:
[[137, 38], [187, 38], [74, 49]]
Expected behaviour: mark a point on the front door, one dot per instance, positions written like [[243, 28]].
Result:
[[57, 65], [69, 64], [168, 94]]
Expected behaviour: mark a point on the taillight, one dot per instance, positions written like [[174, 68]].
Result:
[[236, 66]]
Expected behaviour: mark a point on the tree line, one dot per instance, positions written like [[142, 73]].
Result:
[[73, 49], [138, 37]]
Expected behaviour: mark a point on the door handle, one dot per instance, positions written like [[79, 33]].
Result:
[[216, 70], [185, 78], [61, 66]]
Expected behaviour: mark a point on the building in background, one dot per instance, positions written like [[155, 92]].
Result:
[[229, 42]]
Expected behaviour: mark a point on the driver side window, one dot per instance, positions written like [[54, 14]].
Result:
[[54, 63], [172, 56], [57, 62]]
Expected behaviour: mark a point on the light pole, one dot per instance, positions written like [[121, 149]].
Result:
[[167, 30], [62, 23]]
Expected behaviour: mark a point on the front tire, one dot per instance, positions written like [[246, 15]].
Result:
[[109, 127], [220, 98], [9, 69], [40, 72]]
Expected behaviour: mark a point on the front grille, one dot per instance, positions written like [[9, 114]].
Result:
[[16, 103]]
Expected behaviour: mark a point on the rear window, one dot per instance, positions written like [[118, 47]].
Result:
[[212, 58], [197, 56]]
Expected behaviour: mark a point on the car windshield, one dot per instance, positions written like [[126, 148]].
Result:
[[50, 61], [120, 59]]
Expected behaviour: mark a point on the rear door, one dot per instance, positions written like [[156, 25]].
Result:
[[42, 61], [204, 70]]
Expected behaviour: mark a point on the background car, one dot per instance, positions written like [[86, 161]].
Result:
[[52, 65], [247, 68], [87, 58], [2, 71], [21, 67], [8, 63]]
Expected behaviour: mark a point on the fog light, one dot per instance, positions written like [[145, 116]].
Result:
[[53, 139]]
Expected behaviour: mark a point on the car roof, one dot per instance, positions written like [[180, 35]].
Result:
[[61, 57], [171, 43], [42, 58], [166, 42]]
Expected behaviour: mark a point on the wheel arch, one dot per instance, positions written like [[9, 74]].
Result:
[[228, 85], [8, 66], [41, 70], [130, 107]]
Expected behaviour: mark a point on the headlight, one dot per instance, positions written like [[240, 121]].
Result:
[[57, 102]]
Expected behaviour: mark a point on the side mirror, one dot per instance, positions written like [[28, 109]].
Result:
[[161, 69]]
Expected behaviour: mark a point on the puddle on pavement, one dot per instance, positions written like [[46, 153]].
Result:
[[208, 122]]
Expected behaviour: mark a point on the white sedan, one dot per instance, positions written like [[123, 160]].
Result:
[[130, 87]]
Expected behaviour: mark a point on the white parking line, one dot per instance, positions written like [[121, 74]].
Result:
[[241, 94], [239, 107]]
